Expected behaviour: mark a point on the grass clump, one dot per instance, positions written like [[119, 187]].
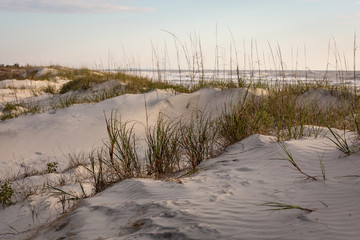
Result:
[[51, 89], [68, 100], [121, 147], [66, 198], [163, 151], [10, 111], [340, 142], [240, 120], [14, 110], [118, 159], [290, 118], [97, 172], [82, 83], [199, 138]]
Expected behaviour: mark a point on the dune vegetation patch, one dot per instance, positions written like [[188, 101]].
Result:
[[156, 129]]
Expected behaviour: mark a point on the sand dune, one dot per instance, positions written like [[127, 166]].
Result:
[[221, 201]]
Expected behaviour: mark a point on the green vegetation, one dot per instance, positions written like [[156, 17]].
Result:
[[322, 167], [121, 155], [13, 110], [340, 142], [163, 151], [290, 158], [199, 138], [247, 116], [52, 167], [6, 193], [278, 206], [181, 145], [96, 170], [51, 89]]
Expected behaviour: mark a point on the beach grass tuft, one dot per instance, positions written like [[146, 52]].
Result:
[[340, 141], [290, 158], [121, 155], [278, 206], [163, 151], [199, 138]]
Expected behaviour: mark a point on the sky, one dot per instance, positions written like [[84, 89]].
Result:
[[265, 34]]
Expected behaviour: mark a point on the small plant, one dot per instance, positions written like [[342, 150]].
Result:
[[52, 167], [65, 198], [6, 192], [322, 166], [290, 158], [277, 206], [75, 160], [340, 142]]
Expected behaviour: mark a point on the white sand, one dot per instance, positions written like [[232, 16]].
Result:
[[218, 202], [15, 91]]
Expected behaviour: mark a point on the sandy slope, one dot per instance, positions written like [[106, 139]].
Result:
[[32, 140], [218, 202], [13, 90]]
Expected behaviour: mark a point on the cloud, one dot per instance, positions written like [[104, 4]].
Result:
[[67, 6]]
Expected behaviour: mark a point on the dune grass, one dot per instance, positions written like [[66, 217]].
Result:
[[183, 144], [278, 206], [290, 158], [163, 151], [247, 116], [199, 138], [340, 142], [121, 155], [178, 144]]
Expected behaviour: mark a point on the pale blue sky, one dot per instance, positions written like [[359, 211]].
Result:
[[96, 33]]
